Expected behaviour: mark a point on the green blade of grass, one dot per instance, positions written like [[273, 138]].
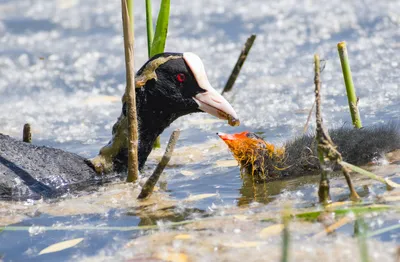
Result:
[[313, 215], [160, 36], [149, 25]]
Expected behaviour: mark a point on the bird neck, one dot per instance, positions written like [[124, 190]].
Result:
[[152, 123], [154, 115]]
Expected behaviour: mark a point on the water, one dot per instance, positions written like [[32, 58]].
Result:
[[62, 70]]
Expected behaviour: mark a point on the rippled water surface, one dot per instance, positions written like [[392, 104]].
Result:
[[62, 70]]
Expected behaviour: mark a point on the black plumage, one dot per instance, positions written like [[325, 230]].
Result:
[[167, 87]]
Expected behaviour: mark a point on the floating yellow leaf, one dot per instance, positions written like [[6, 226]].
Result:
[[390, 199], [187, 173], [341, 222], [183, 237], [199, 197], [226, 163], [271, 230], [61, 246], [173, 257], [338, 204], [243, 244], [240, 217]]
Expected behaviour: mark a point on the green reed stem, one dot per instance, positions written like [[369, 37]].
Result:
[[160, 36], [348, 80], [149, 25]]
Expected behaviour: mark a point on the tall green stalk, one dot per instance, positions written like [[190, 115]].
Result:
[[348, 80], [160, 36], [149, 25], [156, 43]]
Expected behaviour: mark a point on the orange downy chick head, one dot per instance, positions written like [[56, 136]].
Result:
[[252, 152], [244, 146]]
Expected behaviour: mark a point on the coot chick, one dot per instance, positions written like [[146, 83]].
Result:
[[299, 157]]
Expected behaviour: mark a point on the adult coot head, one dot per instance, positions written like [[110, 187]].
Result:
[[168, 86]]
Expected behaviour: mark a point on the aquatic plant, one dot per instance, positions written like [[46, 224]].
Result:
[[348, 80], [156, 41], [27, 134], [149, 26], [130, 93], [239, 63], [160, 35], [153, 179]]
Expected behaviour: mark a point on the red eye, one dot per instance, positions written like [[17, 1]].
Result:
[[180, 77]]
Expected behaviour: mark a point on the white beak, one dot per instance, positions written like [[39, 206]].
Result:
[[209, 101]]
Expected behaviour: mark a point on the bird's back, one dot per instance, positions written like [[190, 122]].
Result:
[[30, 171], [357, 146]]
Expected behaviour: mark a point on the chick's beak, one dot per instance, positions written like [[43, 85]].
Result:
[[226, 137], [209, 101], [232, 137]]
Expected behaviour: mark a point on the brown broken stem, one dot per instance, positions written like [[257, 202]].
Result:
[[333, 227], [327, 152], [133, 166], [26, 134], [286, 213], [321, 136], [239, 64], [353, 194], [153, 179]]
